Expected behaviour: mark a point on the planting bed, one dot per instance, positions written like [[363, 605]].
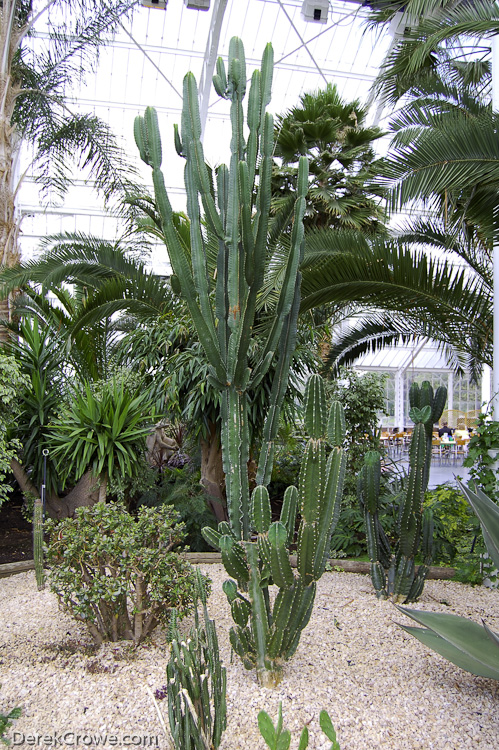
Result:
[[382, 688]]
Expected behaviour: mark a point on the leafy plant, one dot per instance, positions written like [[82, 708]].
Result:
[[6, 722], [454, 523], [120, 575], [11, 382], [197, 682], [103, 433], [39, 354], [483, 450], [461, 641], [277, 738]]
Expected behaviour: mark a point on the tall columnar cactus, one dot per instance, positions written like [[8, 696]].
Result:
[[223, 305], [265, 636], [223, 309], [395, 574]]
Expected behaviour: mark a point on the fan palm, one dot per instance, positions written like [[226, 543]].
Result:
[[34, 108], [333, 134]]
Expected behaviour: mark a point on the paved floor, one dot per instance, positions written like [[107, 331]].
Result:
[[442, 470]]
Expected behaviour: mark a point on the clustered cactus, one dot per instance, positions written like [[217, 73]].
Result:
[[265, 636], [395, 574], [223, 309], [197, 683]]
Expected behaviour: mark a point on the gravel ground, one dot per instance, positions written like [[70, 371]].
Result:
[[382, 688]]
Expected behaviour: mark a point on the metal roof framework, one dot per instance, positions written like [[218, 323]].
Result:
[[146, 63]]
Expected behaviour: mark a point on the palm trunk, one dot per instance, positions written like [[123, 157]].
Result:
[[212, 473], [9, 148]]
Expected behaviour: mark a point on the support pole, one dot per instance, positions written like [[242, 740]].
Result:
[[210, 58], [495, 258]]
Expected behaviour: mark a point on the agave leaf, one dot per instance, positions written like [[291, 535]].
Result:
[[488, 515], [463, 642]]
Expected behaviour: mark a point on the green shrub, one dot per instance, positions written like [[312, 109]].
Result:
[[120, 575], [455, 523]]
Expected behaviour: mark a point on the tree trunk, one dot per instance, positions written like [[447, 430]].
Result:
[[84, 494], [9, 149], [212, 473]]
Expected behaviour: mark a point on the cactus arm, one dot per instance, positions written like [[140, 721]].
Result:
[[315, 407], [259, 622], [279, 386], [191, 139], [261, 514], [288, 511], [310, 486], [235, 458], [253, 119], [330, 508], [263, 198], [221, 302], [282, 573], [198, 254]]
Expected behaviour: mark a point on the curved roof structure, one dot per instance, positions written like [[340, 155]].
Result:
[[149, 57]]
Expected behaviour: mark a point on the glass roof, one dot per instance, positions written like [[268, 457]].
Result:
[[152, 52]]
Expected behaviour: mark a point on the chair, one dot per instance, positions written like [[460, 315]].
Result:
[[462, 446], [436, 447]]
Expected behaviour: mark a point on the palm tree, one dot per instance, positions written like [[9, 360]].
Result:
[[387, 290], [333, 134], [34, 107], [445, 157]]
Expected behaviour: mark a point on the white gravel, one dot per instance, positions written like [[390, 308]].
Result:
[[382, 688]]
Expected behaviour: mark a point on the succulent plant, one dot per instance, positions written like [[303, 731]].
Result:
[[224, 310], [197, 683], [465, 643], [394, 573], [277, 738]]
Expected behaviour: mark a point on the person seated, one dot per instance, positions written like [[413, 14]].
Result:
[[445, 430], [462, 434]]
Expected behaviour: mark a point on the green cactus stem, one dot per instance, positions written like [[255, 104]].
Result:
[[223, 307], [395, 574], [197, 683]]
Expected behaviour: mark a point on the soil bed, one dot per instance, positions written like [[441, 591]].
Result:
[[381, 687]]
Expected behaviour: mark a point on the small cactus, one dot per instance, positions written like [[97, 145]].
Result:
[[197, 684], [395, 574]]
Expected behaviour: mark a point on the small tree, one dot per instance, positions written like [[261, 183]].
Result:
[[362, 396], [117, 574]]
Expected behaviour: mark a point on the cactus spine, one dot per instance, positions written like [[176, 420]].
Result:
[[223, 309], [196, 684], [415, 526]]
